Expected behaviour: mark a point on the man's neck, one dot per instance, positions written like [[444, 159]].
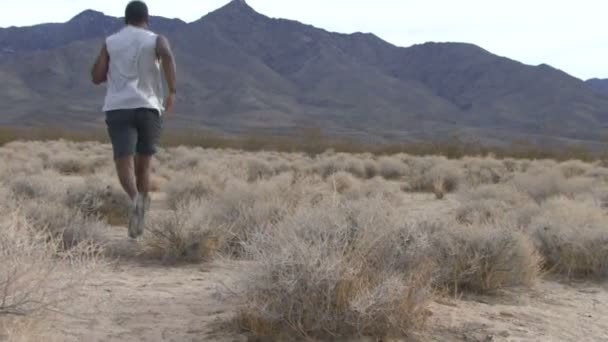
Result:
[[141, 26]]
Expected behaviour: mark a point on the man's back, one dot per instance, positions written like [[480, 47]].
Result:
[[134, 76]]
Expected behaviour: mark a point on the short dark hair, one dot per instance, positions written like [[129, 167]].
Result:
[[136, 13]]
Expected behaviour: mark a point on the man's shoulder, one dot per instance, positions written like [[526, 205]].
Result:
[[115, 35]]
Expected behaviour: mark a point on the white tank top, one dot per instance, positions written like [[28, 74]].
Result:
[[134, 77]]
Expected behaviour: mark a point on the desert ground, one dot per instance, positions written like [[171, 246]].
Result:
[[268, 246]]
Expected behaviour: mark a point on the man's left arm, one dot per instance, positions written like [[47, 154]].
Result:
[[99, 73]]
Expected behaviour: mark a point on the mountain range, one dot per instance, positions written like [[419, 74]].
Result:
[[241, 71]]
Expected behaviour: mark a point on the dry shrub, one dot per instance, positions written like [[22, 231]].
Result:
[[35, 274], [357, 167], [13, 164], [489, 203], [574, 168], [323, 273], [326, 166], [445, 178], [480, 171], [371, 168], [376, 187], [343, 182], [157, 183], [68, 225], [184, 235], [180, 158], [245, 208], [433, 174], [483, 258], [549, 183], [511, 165], [97, 197], [259, 169], [391, 167], [598, 173], [572, 237], [190, 188], [69, 164], [42, 186]]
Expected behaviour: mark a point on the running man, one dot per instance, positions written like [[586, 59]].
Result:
[[130, 62]]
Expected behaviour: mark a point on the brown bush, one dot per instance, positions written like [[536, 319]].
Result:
[[68, 225], [483, 258], [35, 187], [184, 235], [574, 168], [190, 187], [70, 165], [391, 168], [245, 208], [489, 203], [101, 198], [327, 284], [572, 237], [541, 185], [479, 171], [35, 273]]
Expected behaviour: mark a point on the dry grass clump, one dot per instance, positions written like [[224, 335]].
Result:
[[483, 258], [245, 208], [68, 225], [489, 203], [183, 235], [572, 237], [432, 174], [98, 197], [179, 158], [344, 182], [480, 171], [69, 164], [259, 169], [574, 168], [35, 273], [376, 187], [391, 167], [41, 186], [445, 178], [190, 188], [598, 173], [318, 275], [549, 183]]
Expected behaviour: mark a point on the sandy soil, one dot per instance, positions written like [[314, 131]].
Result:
[[134, 300]]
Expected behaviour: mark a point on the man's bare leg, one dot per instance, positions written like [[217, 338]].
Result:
[[126, 174], [142, 199], [142, 173]]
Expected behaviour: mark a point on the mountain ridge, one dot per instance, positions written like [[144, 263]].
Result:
[[242, 71]]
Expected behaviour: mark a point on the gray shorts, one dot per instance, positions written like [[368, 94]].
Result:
[[134, 131]]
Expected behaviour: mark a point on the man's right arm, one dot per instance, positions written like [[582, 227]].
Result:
[[163, 50], [99, 72]]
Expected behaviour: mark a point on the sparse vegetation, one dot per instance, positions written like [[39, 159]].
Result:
[[183, 235], [36, 273], [336, 244]]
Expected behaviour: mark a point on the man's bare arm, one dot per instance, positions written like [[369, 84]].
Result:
[[163, 50], [99, 73]]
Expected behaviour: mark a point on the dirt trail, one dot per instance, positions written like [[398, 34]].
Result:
[[133, 300]]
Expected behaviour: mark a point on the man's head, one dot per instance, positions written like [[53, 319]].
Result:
[[136, 13]]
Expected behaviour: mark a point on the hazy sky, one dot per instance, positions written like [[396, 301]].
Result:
[[570, 35]]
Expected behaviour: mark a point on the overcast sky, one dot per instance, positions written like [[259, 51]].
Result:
[[570, 35]]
